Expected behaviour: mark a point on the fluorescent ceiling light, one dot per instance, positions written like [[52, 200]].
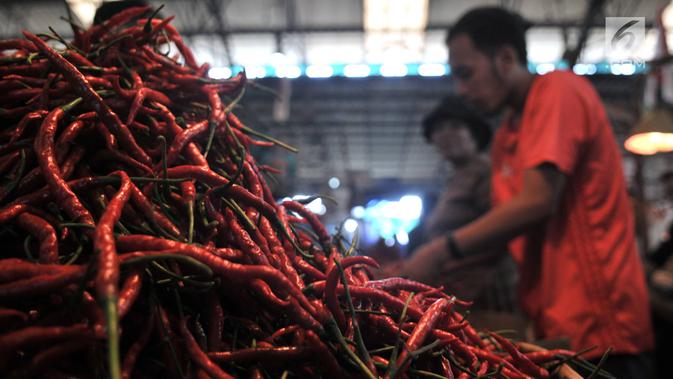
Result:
[[544, 68], [432, 69], [395, 14], [319, 71], [395, 29], [357, 70], [289, 71], [393, 70], [254, 72], [220, 72]]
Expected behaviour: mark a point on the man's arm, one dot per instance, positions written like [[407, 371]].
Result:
[[538, 200]]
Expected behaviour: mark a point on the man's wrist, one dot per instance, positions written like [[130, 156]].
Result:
[[453, 248]]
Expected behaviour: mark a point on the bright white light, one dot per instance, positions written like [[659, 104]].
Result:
[[628, 69], [220, 73], [319, 71], [544, 68], [290, 71], [390, 242], [317, 207], [356, 70], [358, 211], [580, 69], [402, 237], [334, 182], [278, 59], [616, 68], [667, 16], [393, 70], [411, 206], [432, 69], [84, 10], [254, 72], [591, 69], [350, 225]]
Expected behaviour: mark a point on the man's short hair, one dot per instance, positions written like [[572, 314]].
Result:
[[490, 28], [452, 108]]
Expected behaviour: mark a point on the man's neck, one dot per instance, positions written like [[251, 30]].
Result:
[[519, 92]]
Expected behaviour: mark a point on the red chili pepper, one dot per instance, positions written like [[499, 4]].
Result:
[[44, 145], [134, 351], [109, 138], [198, 356], [130, 292], [114, 156], [192, 151], [316, 225], [141, 95], [396, 284], [520, 360], [333, 369], [44, 233], [268, 356], [8, 161], [107, 275], [446, 368], [244, 241], [539, 357], [422, 330], [330, 293], [41, 284], [145, 205], [25, 122], [33, 335], [182, 139], [117, 19], [457, 345], [35, 69], [215, 323], [6, 313], [83, 89], [266, 295], [50, 357], [77, 59], [17, 44], [229, 270]]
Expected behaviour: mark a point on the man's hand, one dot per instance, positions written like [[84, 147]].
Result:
[[426, 264]]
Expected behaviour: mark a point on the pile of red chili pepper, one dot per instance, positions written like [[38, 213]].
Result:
[[139, 237]]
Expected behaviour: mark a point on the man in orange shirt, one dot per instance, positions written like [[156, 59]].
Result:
[[559, 198]]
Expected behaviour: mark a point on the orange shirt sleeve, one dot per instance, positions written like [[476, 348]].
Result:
[[553, 126]]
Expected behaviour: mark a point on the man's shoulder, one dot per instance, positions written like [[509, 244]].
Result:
[[563, 80]]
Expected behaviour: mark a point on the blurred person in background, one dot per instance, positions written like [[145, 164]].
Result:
[[460, 135], [559, 199]]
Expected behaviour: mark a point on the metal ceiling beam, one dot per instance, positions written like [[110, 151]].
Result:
[[594, 12], [216, 7]]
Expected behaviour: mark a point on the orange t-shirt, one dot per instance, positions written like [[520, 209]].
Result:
[[580, 273]]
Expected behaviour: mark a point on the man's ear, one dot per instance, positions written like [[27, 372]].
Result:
[[505, 59]]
